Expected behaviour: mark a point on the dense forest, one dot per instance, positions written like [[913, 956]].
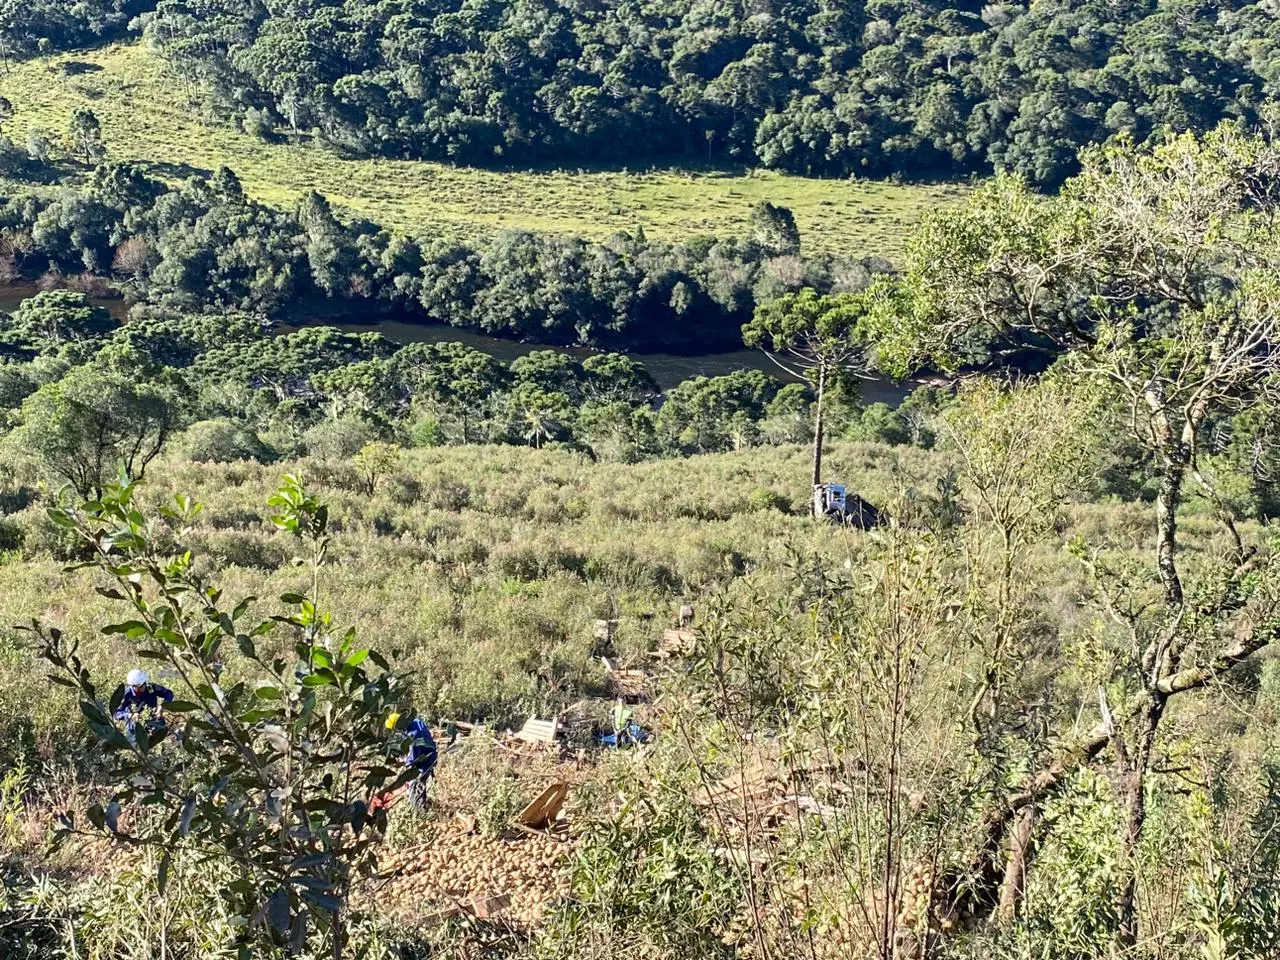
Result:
[[29, 27], [204, 245], [874, 87], [867, 88]]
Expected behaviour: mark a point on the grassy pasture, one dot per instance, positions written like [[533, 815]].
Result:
[[148, 114]]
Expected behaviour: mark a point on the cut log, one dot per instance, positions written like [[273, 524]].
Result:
[[484, 907], [628, 684]]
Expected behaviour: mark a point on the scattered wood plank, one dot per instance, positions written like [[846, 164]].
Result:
[[629, 684], [677, 643], [480, 907], [538, 731], [492, 906], [546, 807]]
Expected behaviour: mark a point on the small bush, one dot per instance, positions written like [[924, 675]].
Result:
[[338, 439], [427, 432], [763, 498], [11, 535], [222, 441], [39, 537], [404, 490]]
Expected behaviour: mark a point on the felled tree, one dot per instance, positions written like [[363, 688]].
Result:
[[1158, 273], [280, 745], [815, 338]]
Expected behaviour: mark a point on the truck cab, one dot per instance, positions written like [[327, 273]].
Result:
[[833, 501]]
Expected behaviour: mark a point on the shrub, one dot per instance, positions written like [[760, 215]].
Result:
[[11, 535], [338, 439], [763, 498], [222, 441], [427, 432]]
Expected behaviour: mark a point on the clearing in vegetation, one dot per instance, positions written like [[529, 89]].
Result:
[[147, 115]]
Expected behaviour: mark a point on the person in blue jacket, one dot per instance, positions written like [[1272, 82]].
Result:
[[143, 699], [421, 755]]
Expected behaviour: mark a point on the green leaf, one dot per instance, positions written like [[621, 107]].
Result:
[[182, 706], [61, 518], [94, 712], [292, 598], [257, 716], [115, 628], [322, 901]]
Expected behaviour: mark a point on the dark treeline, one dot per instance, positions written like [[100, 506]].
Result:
[[204, 245], [814, 86], [29, 27]]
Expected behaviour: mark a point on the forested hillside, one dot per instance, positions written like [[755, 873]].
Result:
[[873, 87], [204, 245]]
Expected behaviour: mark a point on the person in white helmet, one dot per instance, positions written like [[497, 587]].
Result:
[[142, 698]]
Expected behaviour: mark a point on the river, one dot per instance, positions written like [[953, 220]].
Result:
[[667, 369]]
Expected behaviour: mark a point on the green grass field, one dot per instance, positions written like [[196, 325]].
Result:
[[147, 115]]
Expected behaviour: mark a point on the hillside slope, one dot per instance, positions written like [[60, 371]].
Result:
[[147, 116]]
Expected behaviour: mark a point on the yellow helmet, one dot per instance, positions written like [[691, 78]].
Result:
[[392, 721]]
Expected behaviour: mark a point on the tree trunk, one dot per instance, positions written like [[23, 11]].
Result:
[[819, 417], [1015, 871], [1167, 500], [1135, 818]]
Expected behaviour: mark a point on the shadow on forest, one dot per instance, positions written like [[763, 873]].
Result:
[[174, 171]]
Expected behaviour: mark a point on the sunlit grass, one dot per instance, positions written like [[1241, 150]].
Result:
[[147, 114]]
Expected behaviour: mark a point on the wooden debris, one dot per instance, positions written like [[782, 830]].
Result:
[[677, 643], [546, 807], [629, 684], [490, 906], [480, 907], [538, 731]]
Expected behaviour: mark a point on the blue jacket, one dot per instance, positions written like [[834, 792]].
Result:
[[422, 747], [148, 698]]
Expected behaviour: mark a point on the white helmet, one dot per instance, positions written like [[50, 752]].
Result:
[[136, 678]]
